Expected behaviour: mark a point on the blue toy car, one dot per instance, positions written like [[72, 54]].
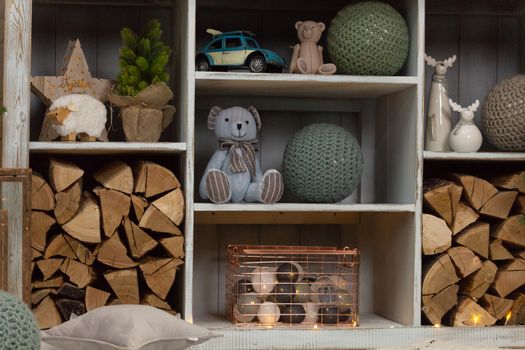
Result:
[[237, 49]]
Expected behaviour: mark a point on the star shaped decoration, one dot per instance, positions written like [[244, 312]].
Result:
[[73, 78]]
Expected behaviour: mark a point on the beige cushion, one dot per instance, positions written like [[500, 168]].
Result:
[[126, 327]]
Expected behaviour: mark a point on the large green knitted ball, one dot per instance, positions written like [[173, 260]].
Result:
[[18, 328], [322, 163], [368, 38]]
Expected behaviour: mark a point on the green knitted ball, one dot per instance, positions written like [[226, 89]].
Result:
[[368, 38], [322, 163], [18, 328]]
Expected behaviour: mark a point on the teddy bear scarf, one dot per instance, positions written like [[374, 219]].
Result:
[[242, 155]]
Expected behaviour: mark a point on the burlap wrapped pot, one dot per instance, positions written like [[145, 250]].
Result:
[[504, 115], [147, 114]]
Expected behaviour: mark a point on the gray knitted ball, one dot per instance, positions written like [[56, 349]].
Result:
[[504, 115], [18, 328], [322, 163], [368, 38]]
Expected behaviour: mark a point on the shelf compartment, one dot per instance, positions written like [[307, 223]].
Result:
[[298, 85], [101, 148], [477, 156], [291, 213]]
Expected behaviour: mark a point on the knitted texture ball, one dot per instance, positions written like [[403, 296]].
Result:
[[504, 115], [368, 38], [18, 328], [322, 163]]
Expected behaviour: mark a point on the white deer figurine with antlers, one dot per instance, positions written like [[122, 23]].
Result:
[[465, 137], [439, 116]]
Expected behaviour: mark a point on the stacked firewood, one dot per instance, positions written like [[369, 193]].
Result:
[[474, 243], [116, 242]]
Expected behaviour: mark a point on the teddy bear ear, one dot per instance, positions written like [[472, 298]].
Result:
[[214, 112], [298, 24], [255, 114], [322, 26]]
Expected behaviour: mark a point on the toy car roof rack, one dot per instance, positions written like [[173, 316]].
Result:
[[215, 32]]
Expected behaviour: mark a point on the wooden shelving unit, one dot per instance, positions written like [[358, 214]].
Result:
[[386, 114]]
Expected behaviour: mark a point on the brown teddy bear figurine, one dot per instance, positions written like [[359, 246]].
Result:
[[307, 56]]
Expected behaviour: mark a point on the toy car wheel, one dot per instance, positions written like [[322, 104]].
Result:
[[257, 64], [202, 64]]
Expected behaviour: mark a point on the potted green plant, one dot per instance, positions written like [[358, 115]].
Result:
[[141, 90]]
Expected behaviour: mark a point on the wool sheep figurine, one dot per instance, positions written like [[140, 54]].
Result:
[[234, 171], [78, 114]]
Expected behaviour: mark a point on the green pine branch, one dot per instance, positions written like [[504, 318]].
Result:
[[142, 59]]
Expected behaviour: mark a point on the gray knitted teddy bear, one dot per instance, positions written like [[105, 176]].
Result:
[[234, 171]]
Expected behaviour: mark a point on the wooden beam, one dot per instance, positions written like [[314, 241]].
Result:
[[15, 43], [3, 249]]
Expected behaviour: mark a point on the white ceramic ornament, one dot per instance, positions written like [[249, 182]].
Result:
[[263, 279], [268, 314], [311, 312], [246, 308], [466, 136], [439, 116]]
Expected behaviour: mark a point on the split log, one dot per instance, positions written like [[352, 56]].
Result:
[[71, 292], [42, 196], [438, 196], [440, 273], [68, 202], [476, 284], [80, 251], [35, 254], [437, 306], [95, 298], [160, 275], [464, 260], [79, 274], [125, 285], [67, 307], [40, 225], [476, 238], [517, 315], [113, 253], [153, 300], [117, 175], [39, 294], [139, 205], [437, 237], [496, 306], [153, 179], [174, 246], [139, 242], [156, 221], [515, 181], [499, 205], [48, 267], [465, 216], [498, 252], [114, 206], [509, 277], [46, 314], [59, 247], [56, 282], [63, 174], [85, 225], [468, 313], [520, 255], [477, 191], [511, 231], [172, 205]]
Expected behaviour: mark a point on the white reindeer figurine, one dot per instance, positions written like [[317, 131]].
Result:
[[465, 137], [439, 121]]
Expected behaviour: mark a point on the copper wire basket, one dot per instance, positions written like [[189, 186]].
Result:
[[292, 286]]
